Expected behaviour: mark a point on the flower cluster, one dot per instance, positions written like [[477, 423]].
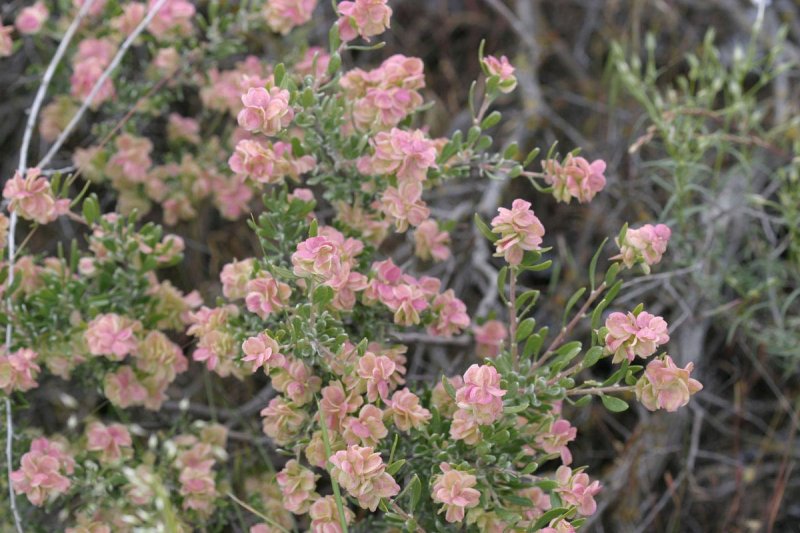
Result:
[[363, 475], [519, 229], [575, 178], [630, 335], [644, 246]]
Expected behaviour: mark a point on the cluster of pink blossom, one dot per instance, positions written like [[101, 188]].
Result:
[[112, 336], [41, 476], [6, 42], [489, 338], [223, 90], [575, 488], [503, 70], [174, 19], [284, 15], [298, 486], [362, 473], [575, 178], [195, 463], [665, 385], [112, 441], [454, 490], [630, 335], [262, 351], [479, 401], [267, 162], [31, 19], [18, 370], [381, 98], [32, 198], [88, 64], [555, 438], [366, 18], [519, 231], [266, 295], [216, 342], [643, 246], [430, 242], [265, 110]]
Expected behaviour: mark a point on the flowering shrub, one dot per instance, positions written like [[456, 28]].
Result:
[[342, 166]]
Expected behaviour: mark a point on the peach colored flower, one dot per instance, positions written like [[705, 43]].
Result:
[[465, 427], [112, 336], [336, 404], [442, 400], [324, 516], [32, 198], [132, 14], [644, 246], [266, 295], [481, 394], [406, 411], [430, 243], [297, 382], [519, 231], [267, 111], [262, 351], [631, 335], [503, 69], [108, 440], [454, 489], [362, 474], [366, 18], [41, 474], [6, 42], [451, 315], [664, 385], [283, 15], [576, 178], [132, 160], [123, 388], [489, 338], [577, 489], [297, 485], [31, 19], [555, 439], [18, 371], [234, 278], [379, 373], [367, 429], [174, 18], [282, 421]]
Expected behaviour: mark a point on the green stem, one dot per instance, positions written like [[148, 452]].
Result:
[[336, 493]]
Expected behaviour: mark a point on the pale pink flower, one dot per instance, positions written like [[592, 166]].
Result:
[[406, 411], [519, 231], [465, 427], [577, 489], [503, 69], [576, 178], [123, 388], [559, 525], [183, 128], [234, 278], [174, 17], [55, 116], [555, 439], [18, 371], [100, 50], [404, 205], [430, 243], [262, 351], [366, 18], [232, 197], [406, 154], [6, 42], [316, 256], [451, 315], [198, 489], [644, 246], [167, 61], [314, 63], [540, 501], [282, 421], [296, 381], [664, 385], [297, 485], [444, 403], [160, 358], [631, 335], [31, 19], [132, 160], [380, 374], [336, 404], [454, 489], [283, 15], [41, 474], [83, 79], [367, 429], [108, 440], [382, 108], [324, 514], [112, 335], [362, 474], [256, 159], [489, 338], [267, 111], [32, 198], [266, 295], [481, 394], [96, 8], [132, 14]]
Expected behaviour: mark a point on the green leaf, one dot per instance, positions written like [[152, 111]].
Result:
[[279, 73], [448, 387], [415, 491], [548, 517], [614, 404], [484, 229], [501, 283], [492, 120], [611, 273], [394, 467], [525, 329], [514, 409], [593, 355], [593, 264], [571, 303], [91, 209], [323, 295]]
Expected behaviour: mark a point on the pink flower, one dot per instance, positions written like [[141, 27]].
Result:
[[263, 351], [256, 159], [31, 19], [451, 315], [198, 489], [440, 398], [183, 128], [174, 17], [362, 473], [316, 256], [100, 50], [644, 246], [664, 385], [503, 70], [465, 427], [314, 63], [454, 489], [430, 243], [108, 440], [266, 295], [282, 421], [363, 17], [631, 335], [283, 15], [379, 372], [297, 485], [366, 429], [406, 154], [234, 278], [6, 42], [132, 14], [96, 8], [489, 338], [297, 382], [324, 516], [18, 371], [112, 336], [404, 205], [267, 111], [32, 198], [382, 108], [41, 474], [519, 231], [576, 178], [406, 411], [481, 394], [559, 525], [123, 388], [555, 440], [577, 490], [336, 404], [83, 79], [132, 160]]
